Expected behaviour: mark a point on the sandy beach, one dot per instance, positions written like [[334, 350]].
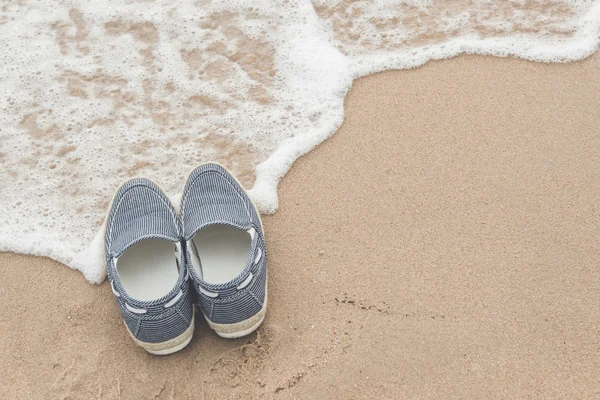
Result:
[[442, 244]]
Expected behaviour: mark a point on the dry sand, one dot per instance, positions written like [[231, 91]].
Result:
[[442, 244]]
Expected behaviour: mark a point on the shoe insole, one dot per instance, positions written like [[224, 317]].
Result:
[[221, 252], [148, 269]]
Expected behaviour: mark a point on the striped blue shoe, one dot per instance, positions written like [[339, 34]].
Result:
[[225, 251], [146, 268]]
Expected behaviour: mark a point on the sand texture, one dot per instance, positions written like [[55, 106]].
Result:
[[442, 244]]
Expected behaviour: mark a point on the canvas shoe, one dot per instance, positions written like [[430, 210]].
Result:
[[225, 251], [146, 268]]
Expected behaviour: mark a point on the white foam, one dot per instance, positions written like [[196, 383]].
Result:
[[91, 94]]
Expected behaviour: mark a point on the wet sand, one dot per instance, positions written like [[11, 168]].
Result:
[[442, 244]]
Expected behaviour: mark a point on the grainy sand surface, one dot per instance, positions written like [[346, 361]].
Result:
[[444, 243]]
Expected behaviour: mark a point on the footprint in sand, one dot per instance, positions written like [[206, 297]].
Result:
[[238, 369]]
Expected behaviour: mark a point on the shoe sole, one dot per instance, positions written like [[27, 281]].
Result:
[[242, 328], [170, 346]]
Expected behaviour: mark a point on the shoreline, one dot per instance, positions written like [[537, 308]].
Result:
[[443, 242]]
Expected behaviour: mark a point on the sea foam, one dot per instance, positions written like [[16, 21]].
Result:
[[95, 92]]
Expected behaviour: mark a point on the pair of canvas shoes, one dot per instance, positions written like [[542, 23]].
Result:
[[159, 262]]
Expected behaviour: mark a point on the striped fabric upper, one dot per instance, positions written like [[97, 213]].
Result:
[[212, 196], [140, 210]]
